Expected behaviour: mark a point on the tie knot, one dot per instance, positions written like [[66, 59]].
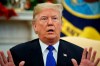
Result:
[[50, 48]]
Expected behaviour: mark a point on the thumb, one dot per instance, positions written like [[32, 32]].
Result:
[[22, 63], [74, 62]]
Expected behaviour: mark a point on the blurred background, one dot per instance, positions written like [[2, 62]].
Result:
[[81, 18]]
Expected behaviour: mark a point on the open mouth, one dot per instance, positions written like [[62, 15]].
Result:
[[50, 30]]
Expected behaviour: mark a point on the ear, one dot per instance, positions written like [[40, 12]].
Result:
[[61, 23], [61, 28], [35, 27]]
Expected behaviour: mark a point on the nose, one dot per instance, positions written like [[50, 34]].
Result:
[[50, 22]]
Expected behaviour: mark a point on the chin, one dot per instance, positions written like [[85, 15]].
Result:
[[51, 37]]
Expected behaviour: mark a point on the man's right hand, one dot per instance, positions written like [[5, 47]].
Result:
[[8, 61]]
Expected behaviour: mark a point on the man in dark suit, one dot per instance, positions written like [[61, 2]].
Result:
[[47, 24]]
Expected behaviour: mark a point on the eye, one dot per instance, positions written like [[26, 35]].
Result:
[[54, 18], [43, 18]]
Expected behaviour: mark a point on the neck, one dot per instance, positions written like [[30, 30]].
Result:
[[50, 41]]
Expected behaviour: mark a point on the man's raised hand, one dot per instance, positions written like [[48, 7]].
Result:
[[87, 59], [8, 61]]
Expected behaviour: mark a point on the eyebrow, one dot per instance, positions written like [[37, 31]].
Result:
[[51, 16], [54, 16], [43, 16]]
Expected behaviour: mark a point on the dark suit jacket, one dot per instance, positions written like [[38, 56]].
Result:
[[31, 53]]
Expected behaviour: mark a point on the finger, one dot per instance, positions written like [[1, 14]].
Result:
[[3, 57], [97, 61], [1, 60], [22, 63], [89, 53], [74, 62], [84, 54], [10, 59], [93, 57]]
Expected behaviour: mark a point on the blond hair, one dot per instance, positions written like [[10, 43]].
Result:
[[39, 7]]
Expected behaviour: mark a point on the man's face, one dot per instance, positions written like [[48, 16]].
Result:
[[48, 24]]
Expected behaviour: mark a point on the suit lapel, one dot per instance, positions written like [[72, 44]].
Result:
[[61, 59], [64, 55], [36, 55]]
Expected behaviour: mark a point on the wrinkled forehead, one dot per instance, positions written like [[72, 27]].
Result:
[[41, 7], [49, 12]]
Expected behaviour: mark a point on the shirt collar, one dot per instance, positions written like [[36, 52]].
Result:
[[44, 46]]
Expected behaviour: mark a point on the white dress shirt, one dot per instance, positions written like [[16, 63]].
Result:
[[45, 51]]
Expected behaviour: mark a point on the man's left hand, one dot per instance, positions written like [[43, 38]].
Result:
[[87, 59]]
